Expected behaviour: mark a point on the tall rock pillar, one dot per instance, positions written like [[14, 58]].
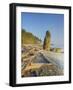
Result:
[[47, 41]]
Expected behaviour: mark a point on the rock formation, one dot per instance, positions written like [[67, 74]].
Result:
[[47, 40]]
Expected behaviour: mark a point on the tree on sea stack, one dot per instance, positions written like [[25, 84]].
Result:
[[47, 41]]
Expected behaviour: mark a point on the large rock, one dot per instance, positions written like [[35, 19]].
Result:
[[47, 40]]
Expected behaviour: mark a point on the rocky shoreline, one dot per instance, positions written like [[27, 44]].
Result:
[[38, 62]]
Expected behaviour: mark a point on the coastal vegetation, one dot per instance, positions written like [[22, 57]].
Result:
[[29, 38]]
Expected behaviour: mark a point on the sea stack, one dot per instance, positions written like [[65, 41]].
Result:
[[47, 41]]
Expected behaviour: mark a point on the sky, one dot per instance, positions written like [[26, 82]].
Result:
[[39, 23]]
